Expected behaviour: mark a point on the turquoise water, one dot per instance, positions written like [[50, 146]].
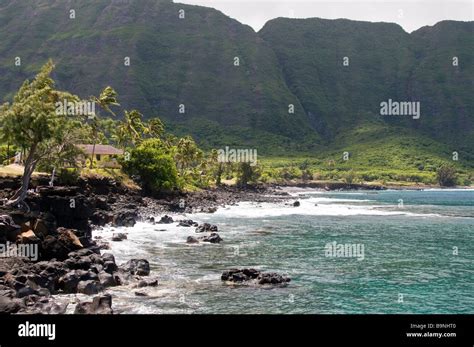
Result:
[[418, 257]]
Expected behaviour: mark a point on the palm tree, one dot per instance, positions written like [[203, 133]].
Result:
[[132, 126], [154, 128], [107, 98], [187, 153]]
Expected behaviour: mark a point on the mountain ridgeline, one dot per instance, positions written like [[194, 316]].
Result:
[[296, 86]]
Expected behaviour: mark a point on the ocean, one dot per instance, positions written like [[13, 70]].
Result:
[[412, 252]]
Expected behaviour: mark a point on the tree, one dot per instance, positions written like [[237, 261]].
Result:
[[107, 98], [446, 176], [247, 174], [32, 122], [154, 128], [187, 154], [216, 167], [154, 166], [131, 129]]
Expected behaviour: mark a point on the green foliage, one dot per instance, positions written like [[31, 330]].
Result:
[[350, 177], [7, 152], [32, 122], [247, 173], [155, 169], [446, 176]]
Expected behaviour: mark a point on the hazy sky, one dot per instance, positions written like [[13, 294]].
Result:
[[410, 14]]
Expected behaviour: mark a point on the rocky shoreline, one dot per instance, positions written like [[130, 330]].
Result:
[[59, 226], [68, 260]]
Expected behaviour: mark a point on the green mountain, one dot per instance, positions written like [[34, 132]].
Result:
[[236, 85]]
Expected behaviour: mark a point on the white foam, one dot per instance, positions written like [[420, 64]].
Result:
[[307, 207]]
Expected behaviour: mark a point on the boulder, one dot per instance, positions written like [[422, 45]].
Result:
[[119, 236], [125, 219], [101, 304], [212, 238], [272, 278], [187, 223], [206, 227], [110, 266], [45, 225], [106, 279], [68, 283], [101, 218], [258, 277], [166, 220], [61, 245], [69, 238], [9, 305], [296, 204], [192, 239], [27, 237], [139, 267], [89, 287], [8, 229]]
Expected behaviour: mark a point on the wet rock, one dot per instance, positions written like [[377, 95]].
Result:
[[119, 236], [106, 279], [7, 292], [272, 278], [187, 223], [206, 227], [110, 266], [42, 305], [143, 283], [108, 257], [212, 238], [125, 219], [26, 291], [101, 218], [245, 275], [166, 220], [68, 283], [141, 294], [296, 204], [192, 239], [139, 267], [100, 305], [89, 287], [9, 305]]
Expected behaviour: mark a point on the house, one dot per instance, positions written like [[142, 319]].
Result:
[[104, 155]]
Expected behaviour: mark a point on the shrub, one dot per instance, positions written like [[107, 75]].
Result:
[[156, 170], [446, 176]]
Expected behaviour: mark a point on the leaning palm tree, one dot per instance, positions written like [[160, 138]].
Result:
[[154, 128], [107, 98], [133, 126]]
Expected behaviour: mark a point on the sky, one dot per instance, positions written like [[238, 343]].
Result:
[[410, 14]]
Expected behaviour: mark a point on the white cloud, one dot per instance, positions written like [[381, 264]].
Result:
[[411, 15]]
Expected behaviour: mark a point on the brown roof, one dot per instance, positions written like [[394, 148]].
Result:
[[101, 149]]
